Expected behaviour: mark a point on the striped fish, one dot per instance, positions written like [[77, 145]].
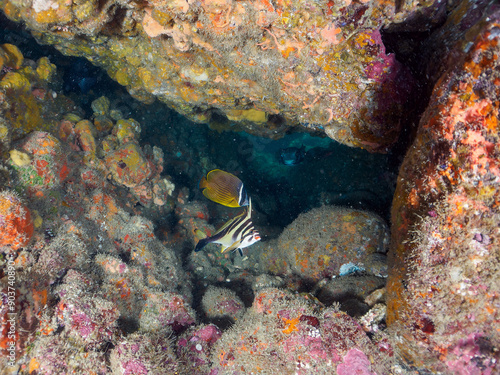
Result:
[[236, 234], [224, 188]]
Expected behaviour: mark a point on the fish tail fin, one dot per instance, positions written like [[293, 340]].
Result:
[[201, 244]]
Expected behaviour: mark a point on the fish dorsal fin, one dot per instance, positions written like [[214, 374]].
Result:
[[229, 222], [249, 208], [203, 183], [247, 213]]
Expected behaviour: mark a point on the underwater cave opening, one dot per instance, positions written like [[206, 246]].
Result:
[[285, 177]]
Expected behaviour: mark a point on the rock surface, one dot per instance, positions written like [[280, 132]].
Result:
[[331, 241], [266, 66], [443, 285]]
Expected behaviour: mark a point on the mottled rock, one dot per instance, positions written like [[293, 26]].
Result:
[[128, 165], [40, 162], [16, 224], [443, 287], [281, 332], [331, 240], [89, 321], [32, 105], [194, 348], [220, 303], [140, 354], [163, 311], [266, 66], [51, 355]]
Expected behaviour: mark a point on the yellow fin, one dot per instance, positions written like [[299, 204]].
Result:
[[203, 183], [232, 247], [200, 234]]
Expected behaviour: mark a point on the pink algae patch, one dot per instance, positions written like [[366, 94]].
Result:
[[355, 362], [470, 359], [329, 34], [152, 27], [134, 367]]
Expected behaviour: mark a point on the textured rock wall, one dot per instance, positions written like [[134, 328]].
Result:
[[265, 65], [443, 285]]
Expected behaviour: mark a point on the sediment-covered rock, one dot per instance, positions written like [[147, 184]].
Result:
[[222, 303], [141, 354], [330, 241]]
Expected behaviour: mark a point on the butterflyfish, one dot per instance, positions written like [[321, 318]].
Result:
[[236, 234], [224, 188]]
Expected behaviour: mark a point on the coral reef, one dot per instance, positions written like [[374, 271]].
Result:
[[443, 288], [49, 357], [140, 354], [164, 310], [119, 155], [98, 223], [86, 320], [67, 295], [195, 348], [10, 56], [28, 97], [281, 333], [41, 164], [221, 303], [268, 67]]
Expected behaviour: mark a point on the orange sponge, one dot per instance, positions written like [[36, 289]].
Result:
[[16, 225]]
